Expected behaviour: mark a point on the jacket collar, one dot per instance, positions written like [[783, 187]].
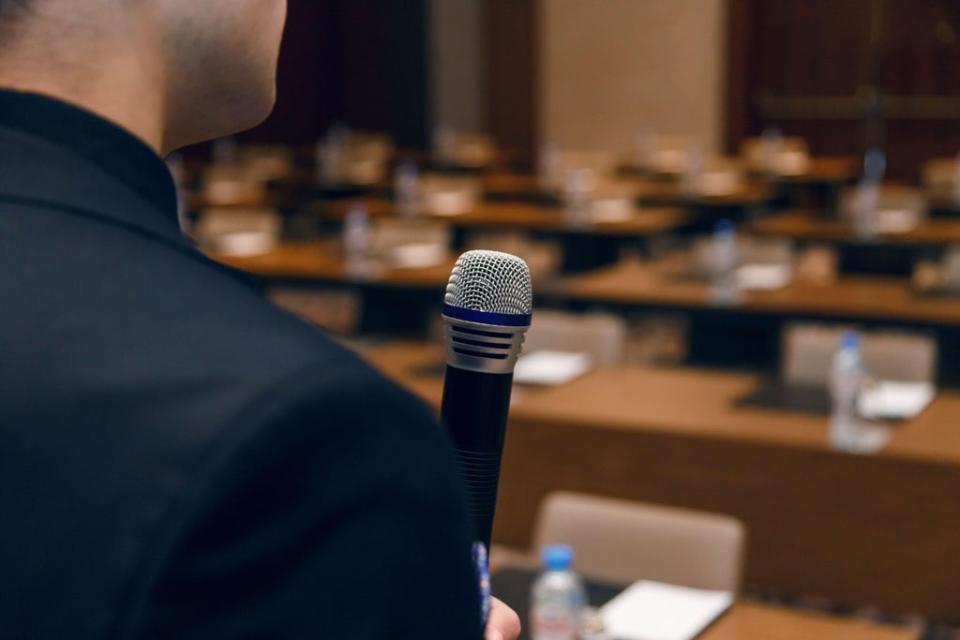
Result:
[[35, 172]]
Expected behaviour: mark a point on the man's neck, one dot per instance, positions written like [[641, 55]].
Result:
[[123, 85]]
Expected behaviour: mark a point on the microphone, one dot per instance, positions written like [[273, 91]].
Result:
[[487, 310]]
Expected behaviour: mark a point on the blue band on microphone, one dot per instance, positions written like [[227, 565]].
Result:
[[488, 317]]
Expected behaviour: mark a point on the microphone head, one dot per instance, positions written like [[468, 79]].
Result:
[[487, 308], [491, 282]]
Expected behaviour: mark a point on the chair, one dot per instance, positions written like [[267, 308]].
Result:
[[620, 541], [600, 335], [808, 355]]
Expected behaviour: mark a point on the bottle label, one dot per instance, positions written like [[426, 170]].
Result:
[[553, 622]]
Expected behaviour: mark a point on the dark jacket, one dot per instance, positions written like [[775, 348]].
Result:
[[178, 458]]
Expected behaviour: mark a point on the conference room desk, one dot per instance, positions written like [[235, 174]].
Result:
[[522, 216], [196, 201], [827, 170], [943, 203], [585, 247], [743, 621], [819, 186], [648, 191], [383, 289], [891, 253], [320, 261], [748, 332], [877, 529]]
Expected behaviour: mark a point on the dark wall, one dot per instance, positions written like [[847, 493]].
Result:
[[361, 62], [845, 74], [512, 76]]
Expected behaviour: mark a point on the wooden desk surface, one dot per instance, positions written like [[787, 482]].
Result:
[[533, 217], [748, 194], [666, 408], [852, 298], [321, 261], [804, 225], [878, 529], [828, 170], [660, 192], [822, 170], [748, 621], [944, 200]]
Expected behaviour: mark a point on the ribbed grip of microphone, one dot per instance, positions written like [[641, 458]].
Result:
[[487, 310]]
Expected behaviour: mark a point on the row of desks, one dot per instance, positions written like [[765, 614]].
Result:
[[744, 621], [746, 333], [877, 529], [817, 186], [635, 283], [598, 238]]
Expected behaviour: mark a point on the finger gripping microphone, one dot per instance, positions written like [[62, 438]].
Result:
[[487, 310]]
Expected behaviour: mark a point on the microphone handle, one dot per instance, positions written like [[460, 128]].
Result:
[[474, 410]]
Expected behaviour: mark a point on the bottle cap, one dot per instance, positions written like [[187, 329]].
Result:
[[557, 557], [724, 227], [850, 340]]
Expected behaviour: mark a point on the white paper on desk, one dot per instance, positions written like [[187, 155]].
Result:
[[419, 255], [551, 367], [763, 277], [895, 400], [894, 221], [656, 611], [611, 210]]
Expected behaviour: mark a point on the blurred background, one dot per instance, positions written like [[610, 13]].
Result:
[[743, 222]]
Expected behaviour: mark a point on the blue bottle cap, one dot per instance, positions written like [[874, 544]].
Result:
[[724, 226], [850, 340], [557, 557]]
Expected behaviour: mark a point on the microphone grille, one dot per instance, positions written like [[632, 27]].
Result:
[[490, 281]]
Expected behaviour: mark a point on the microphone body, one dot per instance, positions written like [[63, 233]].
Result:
[[475, 407], [487, 311]]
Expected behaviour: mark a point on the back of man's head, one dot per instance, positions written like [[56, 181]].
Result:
[[206, 67]]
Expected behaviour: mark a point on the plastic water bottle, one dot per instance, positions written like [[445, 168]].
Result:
[[723, 264], [558, 597], [645, 146], [577, 196], [770, 150], [847, 378], [548, 166], [406, 189], [444, 143], [693, 172], [330, 154], [357, 241]]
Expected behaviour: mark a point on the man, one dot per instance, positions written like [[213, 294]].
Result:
[[179, 459]]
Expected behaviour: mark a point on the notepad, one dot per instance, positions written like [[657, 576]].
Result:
[[419, 255], [763, 277], [895, 400], [551, 367], [656, 611]]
